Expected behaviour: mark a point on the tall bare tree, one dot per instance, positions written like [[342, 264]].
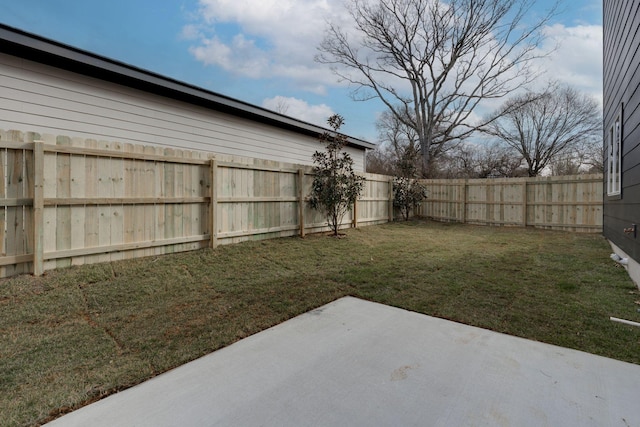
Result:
[[547, 126], [433, 62]]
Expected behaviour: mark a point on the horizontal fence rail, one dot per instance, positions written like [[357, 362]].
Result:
[[569, 203]]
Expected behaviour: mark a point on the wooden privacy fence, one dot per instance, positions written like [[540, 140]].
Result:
[[70, 201], [570, 203]]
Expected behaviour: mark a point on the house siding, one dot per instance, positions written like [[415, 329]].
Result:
[[621, 57], [45, 99]]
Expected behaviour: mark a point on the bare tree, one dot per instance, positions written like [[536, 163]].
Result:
[[548, 126], [564, 166], [282, 106], [595, 157], [380, 160], [490, 160], [402, 144], [399, 139], [433, 62], [587, 157]]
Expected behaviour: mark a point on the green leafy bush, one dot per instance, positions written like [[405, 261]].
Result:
[[408, 193], [336, 186]]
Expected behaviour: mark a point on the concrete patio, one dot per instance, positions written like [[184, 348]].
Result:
[[358, 363]]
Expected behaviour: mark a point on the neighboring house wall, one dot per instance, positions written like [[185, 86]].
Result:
[[38, 97], [621, 20]]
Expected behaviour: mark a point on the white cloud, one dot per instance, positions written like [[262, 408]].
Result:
[[266, 39], [577, 61], [299, 109], [240, 56], [190, 32]]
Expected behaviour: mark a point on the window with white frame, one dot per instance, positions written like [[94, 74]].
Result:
[[614, 156]]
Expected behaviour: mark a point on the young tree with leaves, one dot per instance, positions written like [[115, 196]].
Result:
[[408, 192], [336, 186]]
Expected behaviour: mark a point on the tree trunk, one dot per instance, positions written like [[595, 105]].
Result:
[[425, 144]]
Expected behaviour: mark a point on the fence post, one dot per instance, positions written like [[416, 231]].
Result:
[[38, 208], [301, 200], [390, 199], [524, 203], [213, 217]]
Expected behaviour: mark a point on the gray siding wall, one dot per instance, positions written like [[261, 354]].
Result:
[[622, 87], [43, 99]]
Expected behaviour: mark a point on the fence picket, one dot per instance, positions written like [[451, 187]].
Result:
[[3, 194], [14, 220]]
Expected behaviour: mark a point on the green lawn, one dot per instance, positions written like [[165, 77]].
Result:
[[78, 334]]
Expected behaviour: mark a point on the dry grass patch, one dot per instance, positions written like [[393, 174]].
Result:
[[78, 334]]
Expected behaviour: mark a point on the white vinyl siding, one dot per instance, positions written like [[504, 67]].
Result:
[[44, 99]]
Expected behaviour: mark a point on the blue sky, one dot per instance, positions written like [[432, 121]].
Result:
[[261, 51]]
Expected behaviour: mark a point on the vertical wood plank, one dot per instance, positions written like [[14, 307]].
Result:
[[78, 190], [28, 193], [38, 209], [131, 228], [116, 166], [105, 192], [91, 213], [301, 201], [150, 189], [169, 187], [390, 206], [213, 208], [179, 191], [15, 214], [63, 189], [463, 213], [525, 207], [3, 210], [548, 197], [159, 232], [49, 212], [188, 190]]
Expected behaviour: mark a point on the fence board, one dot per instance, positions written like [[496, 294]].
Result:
[[77, 174], [148, 188], [3, 194], [63, 190], [15, 233], [28, 190], [49, 190], [132, 229], [104, 191], [92, 214]]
